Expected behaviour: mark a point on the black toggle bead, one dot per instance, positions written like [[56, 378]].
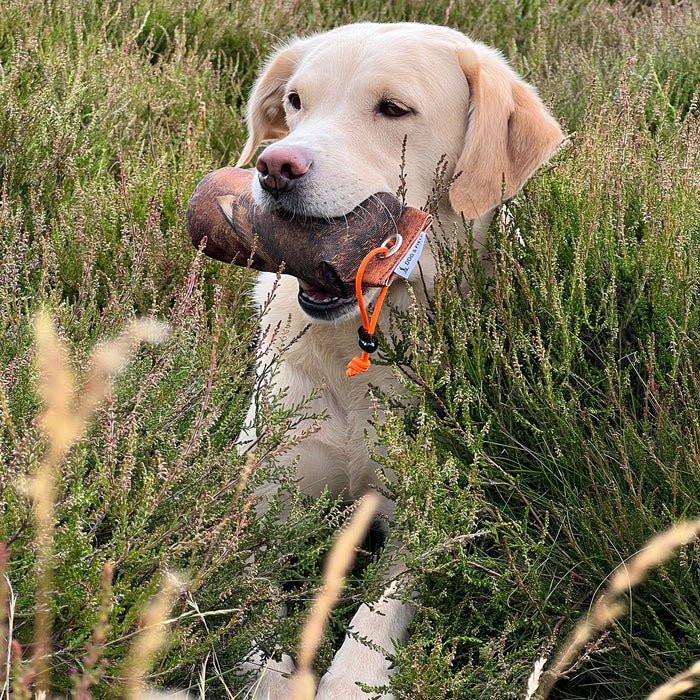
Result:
[[367, 341]]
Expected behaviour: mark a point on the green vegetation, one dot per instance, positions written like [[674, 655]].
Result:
[[551, 422]]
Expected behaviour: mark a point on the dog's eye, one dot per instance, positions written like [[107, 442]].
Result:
[[294, 100], [392, 109]]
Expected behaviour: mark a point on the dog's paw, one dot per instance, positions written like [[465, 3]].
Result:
[[356, 665], [268, 688], [345, 689], [274, 681]]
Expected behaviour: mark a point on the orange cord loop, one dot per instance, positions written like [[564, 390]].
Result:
[[361, 364]]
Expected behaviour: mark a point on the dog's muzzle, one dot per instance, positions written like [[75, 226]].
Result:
[[325, 253]]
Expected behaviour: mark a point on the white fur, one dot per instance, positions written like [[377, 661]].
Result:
[[466, 104]]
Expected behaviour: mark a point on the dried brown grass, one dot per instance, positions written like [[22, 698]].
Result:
[[151, 636], [609, 607], [339, 560], [63, 421], [678, 684]]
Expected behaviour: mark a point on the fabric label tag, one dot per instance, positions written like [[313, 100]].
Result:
[[405, 267]]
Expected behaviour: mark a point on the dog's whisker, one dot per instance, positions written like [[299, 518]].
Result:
[[386, 208]]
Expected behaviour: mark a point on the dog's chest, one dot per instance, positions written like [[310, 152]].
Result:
[[311, 379], [316, 365], [335, 454]]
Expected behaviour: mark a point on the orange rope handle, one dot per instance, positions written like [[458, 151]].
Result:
[[361, 364]]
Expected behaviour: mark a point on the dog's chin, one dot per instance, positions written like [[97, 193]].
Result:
[[321, 305]]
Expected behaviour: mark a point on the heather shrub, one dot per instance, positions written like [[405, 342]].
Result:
[[556, 418]]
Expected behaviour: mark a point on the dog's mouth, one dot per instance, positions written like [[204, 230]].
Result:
[[321, 304], [298, 204]]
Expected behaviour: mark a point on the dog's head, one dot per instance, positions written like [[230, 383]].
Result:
[[338, 106]]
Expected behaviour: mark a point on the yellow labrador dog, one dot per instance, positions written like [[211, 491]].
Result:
[[336, 107]]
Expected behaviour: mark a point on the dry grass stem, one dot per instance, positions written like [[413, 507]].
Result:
[[340, 559], [151, 636], [304, 684], [7, 612], [658, 549], [63, 421], [61, 428], [108, 359], [678, 684], [608, 608]]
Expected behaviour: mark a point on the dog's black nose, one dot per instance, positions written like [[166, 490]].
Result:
[[280, 167]]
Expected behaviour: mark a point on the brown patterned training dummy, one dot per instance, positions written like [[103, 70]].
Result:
[[323, 252]]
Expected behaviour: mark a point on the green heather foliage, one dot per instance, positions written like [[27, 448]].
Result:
[[551, 417]]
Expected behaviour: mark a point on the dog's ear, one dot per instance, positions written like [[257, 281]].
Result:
[[265, 113], [510, 134]]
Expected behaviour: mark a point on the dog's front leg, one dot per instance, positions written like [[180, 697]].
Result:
[[273, 681], [367, 662]]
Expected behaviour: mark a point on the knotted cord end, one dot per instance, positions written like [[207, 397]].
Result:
[[358, 365]]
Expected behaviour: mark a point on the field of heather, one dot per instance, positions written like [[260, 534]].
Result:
[[550, 422]]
